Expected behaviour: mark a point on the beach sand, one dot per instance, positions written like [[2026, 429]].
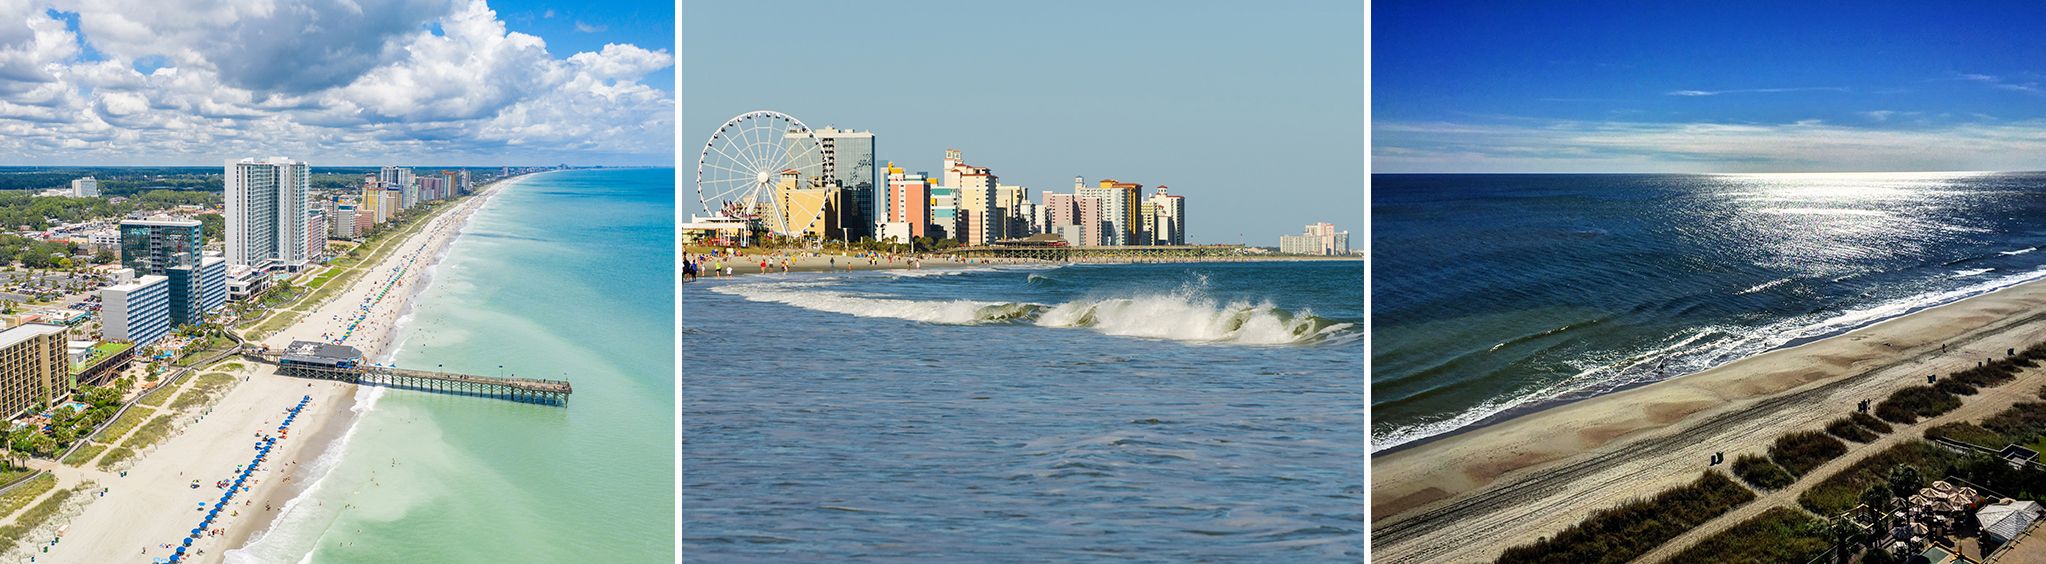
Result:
[[1471, 495], [155, 503]]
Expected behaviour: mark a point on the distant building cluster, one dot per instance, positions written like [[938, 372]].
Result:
[[1320, 239], [969, 204]]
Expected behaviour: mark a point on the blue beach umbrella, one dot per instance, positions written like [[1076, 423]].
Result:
[[195, 532], [188, 541], [181, 550]]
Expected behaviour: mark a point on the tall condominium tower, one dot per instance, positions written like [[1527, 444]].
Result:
[[848, 157], [170, 248], [267, 200]]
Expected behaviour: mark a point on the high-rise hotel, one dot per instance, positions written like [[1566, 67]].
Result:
[[267, 204]]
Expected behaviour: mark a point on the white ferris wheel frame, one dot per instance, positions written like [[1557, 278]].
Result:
[[759, 154]]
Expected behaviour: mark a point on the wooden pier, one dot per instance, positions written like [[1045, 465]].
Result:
[[331, 362]]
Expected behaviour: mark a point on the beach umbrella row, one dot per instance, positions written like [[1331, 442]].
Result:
[[262, 452]]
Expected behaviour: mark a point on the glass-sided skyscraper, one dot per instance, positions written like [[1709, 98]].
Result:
[[170, 248], [848, 157]]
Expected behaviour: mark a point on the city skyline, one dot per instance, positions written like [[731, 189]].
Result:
[[1252, 111], [363, 82], [1745, 87]]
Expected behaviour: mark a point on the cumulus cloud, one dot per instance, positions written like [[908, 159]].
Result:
[[339, 81], [1530, 145]]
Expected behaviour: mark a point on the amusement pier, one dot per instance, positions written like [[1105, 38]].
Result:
[[327, 361]]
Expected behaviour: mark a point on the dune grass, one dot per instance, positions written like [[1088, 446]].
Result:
[[204, 390], [149, 434], [21, 495], [115, 456], [1781, 534], [1846, 428], [1759, 472], [1623, 533], [1800, 452], [126, 422], [1842, 490], [83, 454], [29, 520]]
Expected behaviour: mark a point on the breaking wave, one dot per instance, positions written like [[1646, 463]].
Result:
[[1178, 317]]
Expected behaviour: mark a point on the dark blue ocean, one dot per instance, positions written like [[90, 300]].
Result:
[[1078, 413], [1498, 293]]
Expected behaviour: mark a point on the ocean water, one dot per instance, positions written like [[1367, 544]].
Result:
[[1078, 413], [566, 275], [1494, 294]]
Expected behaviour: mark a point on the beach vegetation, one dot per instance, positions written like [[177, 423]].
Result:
[[1623, 533], [1759, 472], [1847, 428], [1955, 387], [1802, 451], [21, 495], [1966, 432], [1870, 422], [84, 453], [1842, 490], [115, 456], [204, 390], [29, 520], [126, 422], [1905, 406], [149, 433], [1781, 534]]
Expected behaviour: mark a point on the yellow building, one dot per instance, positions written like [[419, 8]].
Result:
[[812, 207], [370, 200], [34, 368]]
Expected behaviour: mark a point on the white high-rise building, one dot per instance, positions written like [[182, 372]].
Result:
[[136, 310], [1169, 227], [848, 157], [87, 187], [267, 205]]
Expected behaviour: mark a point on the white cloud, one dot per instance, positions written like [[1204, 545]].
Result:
[[588, 28], [1806, 145], [333, 81], [1695, 93]]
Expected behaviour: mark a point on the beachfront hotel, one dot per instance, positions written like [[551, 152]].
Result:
[[172, 248], [135, 309], [848, 158], [267, 205], [1320, 239], [35, 367]]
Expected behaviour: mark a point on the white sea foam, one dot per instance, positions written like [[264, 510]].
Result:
[[1972, 272], [1181, 316], [1691, 352], [1762, 286], [2018, 252]]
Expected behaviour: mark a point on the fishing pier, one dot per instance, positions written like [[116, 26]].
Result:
[[323, 361]]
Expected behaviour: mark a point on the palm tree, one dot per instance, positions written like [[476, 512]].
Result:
[[1843, 533], [1904, 481]]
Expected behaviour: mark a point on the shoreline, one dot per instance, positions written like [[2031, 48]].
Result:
[[1568, 459], [328, 434], [151, 504], [1799, 342]]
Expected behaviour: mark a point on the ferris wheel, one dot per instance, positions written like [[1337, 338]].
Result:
[[743, 163]]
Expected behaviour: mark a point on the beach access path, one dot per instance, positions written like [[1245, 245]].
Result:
[[1471, 495]]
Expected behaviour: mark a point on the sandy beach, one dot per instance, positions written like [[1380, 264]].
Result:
[[1470, 495], [154, 504]]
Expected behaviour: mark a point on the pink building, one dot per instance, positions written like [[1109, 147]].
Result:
[[1058, 211], [909, 200], [1089, 211]]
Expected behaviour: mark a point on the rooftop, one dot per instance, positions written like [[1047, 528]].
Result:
[[21, 333]]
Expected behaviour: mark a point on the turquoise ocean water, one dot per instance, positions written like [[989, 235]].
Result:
[[565, 275]]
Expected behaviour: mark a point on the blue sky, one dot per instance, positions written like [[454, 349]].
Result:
[[1707, 87], [337, 82], [1253, 112]]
